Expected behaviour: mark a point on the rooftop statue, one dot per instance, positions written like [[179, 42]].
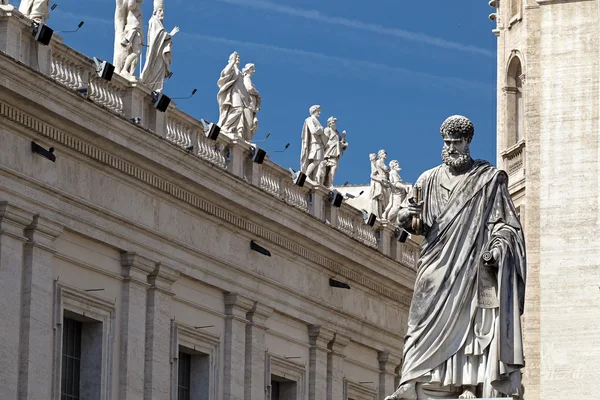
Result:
[[380, 192], [335, 145], [398, 192], [464, 327], [159, 53], [128, 36], [238, 99], [36, 10], [313, 144]]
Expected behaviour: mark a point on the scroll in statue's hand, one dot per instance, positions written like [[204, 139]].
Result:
[[491, 257]]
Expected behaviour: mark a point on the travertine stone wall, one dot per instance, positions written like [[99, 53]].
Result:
[[558, 44]]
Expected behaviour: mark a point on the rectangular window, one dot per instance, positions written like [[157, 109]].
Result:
[[184, 376], [71, 359], [282, 388]]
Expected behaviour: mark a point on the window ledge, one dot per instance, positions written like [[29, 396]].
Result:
[[514, 149], [516, 18]]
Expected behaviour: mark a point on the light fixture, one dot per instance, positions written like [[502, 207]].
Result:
[[161, 101], [258, 154], [401, 235], [259, 249], [335, 198], [42, 33], [135, 120], [298, 178], [338, 284], [49, 154], [369, 218], [104, 69], [211, 131]]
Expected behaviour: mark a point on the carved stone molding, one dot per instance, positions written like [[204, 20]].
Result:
[[178, 192]]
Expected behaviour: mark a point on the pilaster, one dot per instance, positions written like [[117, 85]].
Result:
[[335, 366], [254, 376], [319, 338], [157, 370], [387, 372], [135, 271], [236, 309], [13, 221], [35, 348]]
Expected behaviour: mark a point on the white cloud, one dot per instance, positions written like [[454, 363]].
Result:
[[315, 15]]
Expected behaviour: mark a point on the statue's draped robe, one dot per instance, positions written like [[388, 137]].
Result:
[[35, 9], [236, 115], [450, 340], [158, 56], [313, 142]]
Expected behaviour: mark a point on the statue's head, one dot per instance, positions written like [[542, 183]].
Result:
[[381, 155], [457, 132], [159, 9], [395, 165], [332, 122], [249, 69], [234, 58], [315, 110]]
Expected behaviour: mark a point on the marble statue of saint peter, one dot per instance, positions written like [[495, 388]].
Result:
[[464, 327]]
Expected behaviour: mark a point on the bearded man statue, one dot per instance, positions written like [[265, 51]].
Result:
[[464, 327]]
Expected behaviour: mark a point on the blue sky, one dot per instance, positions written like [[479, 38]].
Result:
[[390, 71]]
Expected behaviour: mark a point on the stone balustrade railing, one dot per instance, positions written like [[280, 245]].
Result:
[[78, 72], [132, 101], [277, 181]]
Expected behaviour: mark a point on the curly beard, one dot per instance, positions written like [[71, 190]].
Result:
[[456, 162]]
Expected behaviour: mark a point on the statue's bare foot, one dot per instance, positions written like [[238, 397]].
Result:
[[404, 392], [469, 393]]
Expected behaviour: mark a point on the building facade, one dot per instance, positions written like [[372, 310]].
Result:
[[148, 262], [548, 127]]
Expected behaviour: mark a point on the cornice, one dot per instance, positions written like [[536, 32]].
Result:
[[177, 191]]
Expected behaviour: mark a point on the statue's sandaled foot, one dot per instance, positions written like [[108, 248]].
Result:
[[404, 392], [469, 393]]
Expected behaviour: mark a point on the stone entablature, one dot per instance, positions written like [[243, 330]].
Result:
[[133, 100]]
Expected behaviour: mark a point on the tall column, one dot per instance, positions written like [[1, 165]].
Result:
[[335, 367], [236, 308], [135, 271], [157, 366], [319, 338], [13, 221], [35, 350], [387, 372], [254, 378]]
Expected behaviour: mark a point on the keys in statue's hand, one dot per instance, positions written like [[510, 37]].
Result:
[[415, 209]]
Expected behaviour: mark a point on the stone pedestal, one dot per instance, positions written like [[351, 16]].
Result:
[[318, 199], [157, 369]]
